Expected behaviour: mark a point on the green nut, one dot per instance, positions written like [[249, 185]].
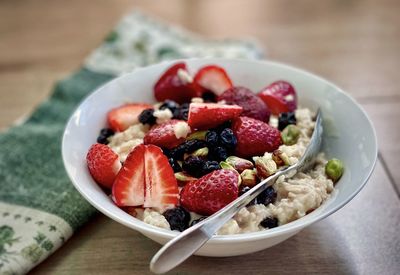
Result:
[[181, 176], [239, 164], [249, 177], [202, 152], [290, 134], [201, 135], [280, 158], [265, 166], [334, 169], [225, 165]]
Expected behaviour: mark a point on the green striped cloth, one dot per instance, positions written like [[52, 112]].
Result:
[[39, 207]]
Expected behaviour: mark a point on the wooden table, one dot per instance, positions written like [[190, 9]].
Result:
[[353, 43]]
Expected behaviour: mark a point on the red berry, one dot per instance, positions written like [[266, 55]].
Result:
[[172, 86], [211, 192], [163, 135], [122, 117], [280, 97], [255, 137], [252, 105], [213, 78], [209, 115], [103, 164], [147, 179]]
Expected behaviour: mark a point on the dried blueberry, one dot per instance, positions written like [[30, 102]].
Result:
[[210, 166], [175, 165], [223, 126], [105, 133], [269, 222], [228, 139], [182, 112], [267, 196], [171, 105], [146, 117], [245, 189], [193, 166], [178, 218], [285, 119], [209, 96], [212, 138], [218, 153], [197, 221], [193, 145]]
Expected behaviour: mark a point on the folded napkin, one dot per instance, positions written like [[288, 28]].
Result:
[[39, 207]]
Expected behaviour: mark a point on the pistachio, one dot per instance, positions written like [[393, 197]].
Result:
[[334, 169], [249, 177], [290, 134], [202, 152], [280, 158], [181, 176], [201, 135], [239, 164], [225, 165], [265, 166]]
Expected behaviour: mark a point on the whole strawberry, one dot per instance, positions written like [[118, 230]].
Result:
[[103, 164], [254, 137], [252, 105], [280, 97], [165, 135], [211, 192]]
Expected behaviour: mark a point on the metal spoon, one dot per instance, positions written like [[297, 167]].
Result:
[[188, 242]]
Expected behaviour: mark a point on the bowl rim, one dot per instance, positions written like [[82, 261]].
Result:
[[293, 226]]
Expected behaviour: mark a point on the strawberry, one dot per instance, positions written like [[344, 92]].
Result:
[[128, 188], [254, 137], [103, 164], [122, 117], [209, 115], [213, 78], [177, 85], [280, 97], [164, 135], [252, 105], [211, 192], [161, 186], [147, 179]]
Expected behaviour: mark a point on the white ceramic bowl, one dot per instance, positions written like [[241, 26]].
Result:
[[349, 136]]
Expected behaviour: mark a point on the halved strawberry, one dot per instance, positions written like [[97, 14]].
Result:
[[122, 117], [103, 164], [209, 115], [164, 135], [128, 188], [280, 97], [176, 84], [161, 186], [213, 78]]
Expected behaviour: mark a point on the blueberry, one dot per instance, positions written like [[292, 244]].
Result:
[[146, 117], [223, 126], [197, 221], [212, 138], [171, 105], [209, 96], [285, 119], [177, 152], [244, 190], [105, 133], [218, 153], [228, 139], [193, 145], [102, 139], [210, 166], [175, 165], [269, 222], [182, 112], [178, 218], [267, 196], [193, 166]]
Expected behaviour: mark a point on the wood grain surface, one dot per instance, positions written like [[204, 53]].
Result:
[[355, 44]]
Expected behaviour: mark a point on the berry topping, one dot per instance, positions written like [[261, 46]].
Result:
[[211, 192], [252, 105], [172, 85], [103, 164], [208, 115], [255, 137], [269, 222], [286, 119], [218, 153], [147, 179], [228, 139], [280, 97], [146, 117], [163, 135], [178, 218], [193, 166], [122, 117], [213, 78], [105, 133]]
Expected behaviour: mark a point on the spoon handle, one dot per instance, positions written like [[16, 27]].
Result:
[[189, 241]]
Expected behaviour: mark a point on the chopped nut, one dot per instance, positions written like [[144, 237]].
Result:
[[265, 166], [290, 134], [202, 152], [280, 158], [249, 177], [225, 165], [239, 164]]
